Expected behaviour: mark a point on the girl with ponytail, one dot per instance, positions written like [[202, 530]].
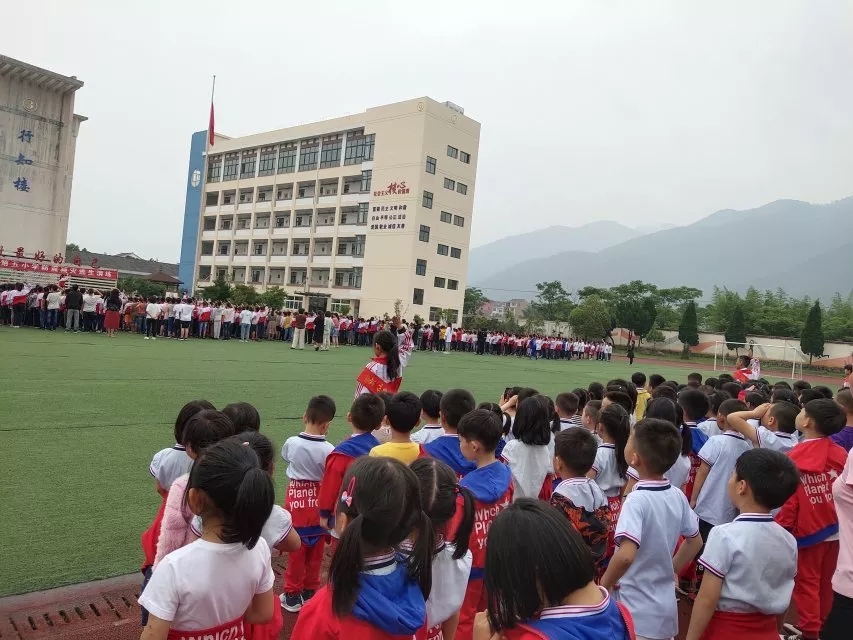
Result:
[[385, 371], [610, 469], [211, 587], [451, 510], [374, 592]]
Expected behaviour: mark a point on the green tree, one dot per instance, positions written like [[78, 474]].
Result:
[[273, 298], [71, 248], [141, 287], [721, 309], [243, 295], [811, 340], [591, 319], [474, 299], [736, 329], [688, 330], [654, 336], [838, 320], [218, 291], [551, 303]]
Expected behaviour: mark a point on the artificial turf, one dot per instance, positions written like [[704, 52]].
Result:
[[83, 414]]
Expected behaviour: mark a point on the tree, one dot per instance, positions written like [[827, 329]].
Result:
[[811, 340], [591, 319], [688, 330], [71, 248], [141, 287], [552, 302], [736, 329], [219, 291], [273, 298], [243, 295], [474, 300], [654, 336]]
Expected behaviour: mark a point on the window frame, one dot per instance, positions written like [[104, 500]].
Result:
[[462, 188], [455, 284], [439, 282], [452, 152], [416, 294], [446, 217], [458, 221], [457, 251], [465, 157], [431, 163], [424, 230], [427, 199], [450, 183], [420, 267], [445, 247]]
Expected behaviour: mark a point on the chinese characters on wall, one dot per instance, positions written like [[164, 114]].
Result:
[[21, 183], [388, 221]]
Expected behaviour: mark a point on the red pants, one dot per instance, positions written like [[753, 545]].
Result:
[[755, 626], [813, 585], [303, 568], [474, 602]]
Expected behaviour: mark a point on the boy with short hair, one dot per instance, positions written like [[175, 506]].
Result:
[[306, 455], [364, 416], [653, 517], [431, 415], [453, 406], [776, 426], [580, 498], [694, 380], [719, 456], [479, 432], [643, 395], [404, 413], [566, 405], [749, 563]]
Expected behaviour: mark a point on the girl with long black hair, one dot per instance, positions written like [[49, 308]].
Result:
[[385, 371]]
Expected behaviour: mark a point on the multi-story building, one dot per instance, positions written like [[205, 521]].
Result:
[[357, 213], [38, 139]]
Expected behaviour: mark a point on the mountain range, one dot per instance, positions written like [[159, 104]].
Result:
[[806, 249]]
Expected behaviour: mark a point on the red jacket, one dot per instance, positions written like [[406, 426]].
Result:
[[337, 464], [810, 513]]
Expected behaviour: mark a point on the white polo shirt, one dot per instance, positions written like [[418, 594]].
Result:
[[757, 561], [305, 456], [428, 433], [720, 453], [775, 440], [607, 473], [170, 464], [653, 516]]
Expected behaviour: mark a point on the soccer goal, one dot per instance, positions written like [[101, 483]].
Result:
[[780, 357]]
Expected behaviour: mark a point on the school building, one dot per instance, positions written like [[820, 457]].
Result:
[[349, 214], [38, 140]]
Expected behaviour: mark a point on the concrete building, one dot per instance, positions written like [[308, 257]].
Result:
[[38, 138], [350, 213], [499, 309]]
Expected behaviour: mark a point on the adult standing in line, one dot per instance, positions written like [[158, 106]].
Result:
[[90, 301], [113, 305], [216, 316], [319, 330], [335, 332], [73, 305], [53, 300], [299, 330], [309, 326], [184, 311], [246, 323]]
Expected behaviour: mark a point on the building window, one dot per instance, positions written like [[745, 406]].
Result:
[[260, 249], [363, 208], [430, 165], [247, 165], [434, 314], [212, 199], [420, 268], [266, 167], [366, 179], [459, 221], [449, 184], [287, 158], [453, 284], [293, 303], [462, 188], [224, 248], [418, 296], [456, 253], [423, 236], [282, 222], [257, 276], [359, 149], [464, 157], [222, 274], [232, 165], [225, 223], [427, 200], [446, 217], [438, 282], [308, 155], [443, 249], [303, 221], [214, 169], [452, 316], [330, 154], [339, 306], [209, 224], [452, 152]]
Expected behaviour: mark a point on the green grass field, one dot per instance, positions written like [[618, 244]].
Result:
[[82, 416]]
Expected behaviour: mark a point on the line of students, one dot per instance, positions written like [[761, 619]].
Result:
[[439, 534]]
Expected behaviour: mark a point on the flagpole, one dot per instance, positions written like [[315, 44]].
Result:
[[212, 93]]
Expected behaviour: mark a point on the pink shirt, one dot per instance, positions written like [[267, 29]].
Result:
[[842, 492]]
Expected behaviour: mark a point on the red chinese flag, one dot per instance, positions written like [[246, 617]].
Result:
[[210, 126]]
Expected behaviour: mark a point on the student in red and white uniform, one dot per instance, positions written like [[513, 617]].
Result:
[[451, 561], [453, 405], [491, 484], [372, 594], [278, 532], [749, 563], [431, 415], [743, 373], [610, 469], [17, 299], [557, 601], [385, 371], [654, 516], [810, 513], [306, 455], [211, 587]]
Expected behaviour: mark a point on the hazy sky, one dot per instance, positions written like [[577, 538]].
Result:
[[643, 112]]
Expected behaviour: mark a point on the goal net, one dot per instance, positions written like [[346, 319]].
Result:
[[767, 360]]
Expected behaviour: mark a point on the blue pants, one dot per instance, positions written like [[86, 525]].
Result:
[[244, 331], [51, 319]]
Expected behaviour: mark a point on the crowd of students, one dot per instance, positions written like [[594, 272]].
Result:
[[581, 517]]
